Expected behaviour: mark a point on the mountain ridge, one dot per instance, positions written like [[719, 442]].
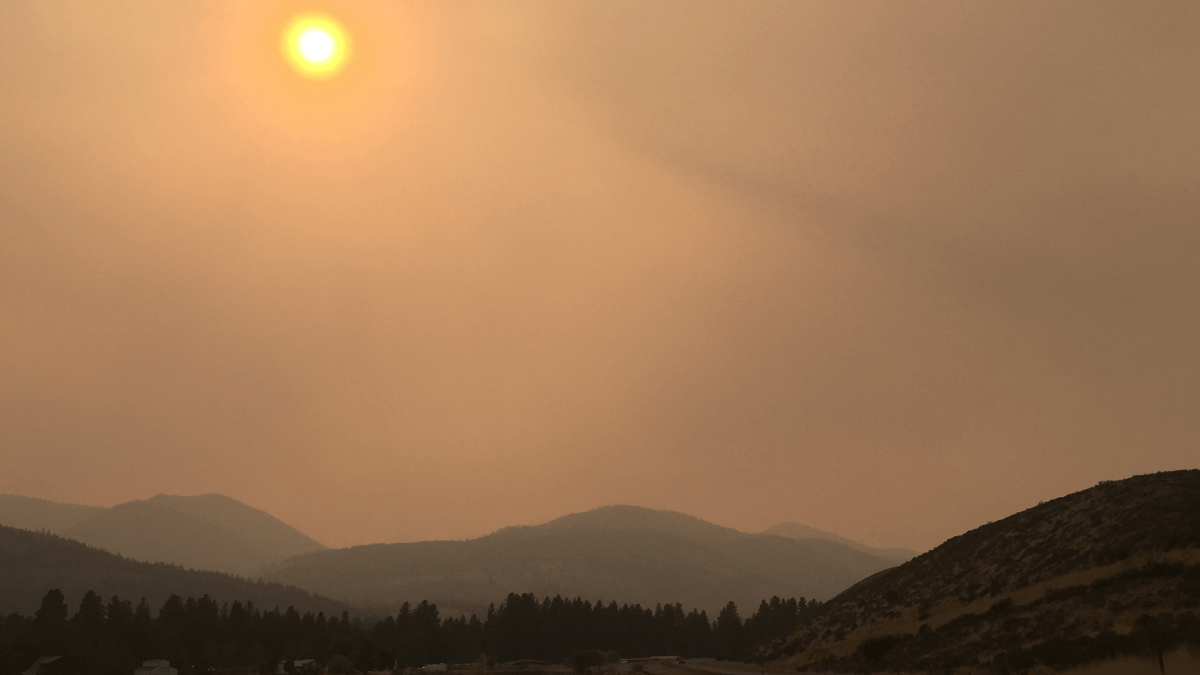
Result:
[[32, 563], [207, 531], [32, 513], [623, 553], [629, 517]]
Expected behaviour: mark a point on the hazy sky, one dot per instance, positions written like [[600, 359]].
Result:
[[890, 269]]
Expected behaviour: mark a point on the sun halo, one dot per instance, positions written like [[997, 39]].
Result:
[[316, 45]]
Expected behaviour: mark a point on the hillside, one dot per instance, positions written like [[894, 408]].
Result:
[[31, 563], [271, 537], [802, 532], [1113, 570], [29, 513], [208, 532], [627, 554]]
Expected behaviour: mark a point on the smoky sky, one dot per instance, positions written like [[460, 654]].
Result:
[[887, 269]]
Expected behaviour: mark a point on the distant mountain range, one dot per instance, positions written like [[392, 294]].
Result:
[[1107, 572], [624, 553], [205, 532], [32, 563]]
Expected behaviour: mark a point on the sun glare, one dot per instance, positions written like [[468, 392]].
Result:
[[316, 45]]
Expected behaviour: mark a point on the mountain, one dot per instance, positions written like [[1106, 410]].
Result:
[[625, 517], [28, 513], [208, 532], [32, 563], [798, 531], [623, 553], [1108, 572]]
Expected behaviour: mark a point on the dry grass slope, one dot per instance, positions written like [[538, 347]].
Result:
[[1107, 572]]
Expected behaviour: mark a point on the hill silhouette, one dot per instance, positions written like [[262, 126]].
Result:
[[625, 517], [30, 513], [1113, 570], [630, 554], [209, 532], [31, 563], [802, 532]]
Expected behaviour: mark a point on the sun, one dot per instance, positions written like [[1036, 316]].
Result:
[[316, 45]]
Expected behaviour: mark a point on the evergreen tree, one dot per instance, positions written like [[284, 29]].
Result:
[[54, 608], [728, 632], [196, 633], [89, 620]]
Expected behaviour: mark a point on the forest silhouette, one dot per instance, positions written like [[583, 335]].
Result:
[[197, 634]]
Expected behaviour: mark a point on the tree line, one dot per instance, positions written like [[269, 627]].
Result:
[[198, 634], [31, 559]]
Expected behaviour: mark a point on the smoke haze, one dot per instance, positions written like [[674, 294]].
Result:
[[888, 270]]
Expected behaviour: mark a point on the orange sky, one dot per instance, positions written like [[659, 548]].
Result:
[[887, 269]]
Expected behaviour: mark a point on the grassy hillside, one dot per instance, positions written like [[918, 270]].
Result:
[[1113, 570], [629, 554], [32, 563]]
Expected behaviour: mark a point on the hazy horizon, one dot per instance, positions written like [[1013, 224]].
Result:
[[887, 270], [476, 536]]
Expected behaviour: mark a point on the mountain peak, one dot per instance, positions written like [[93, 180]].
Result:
[[629, 517], [623, 553], [208, 531]]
